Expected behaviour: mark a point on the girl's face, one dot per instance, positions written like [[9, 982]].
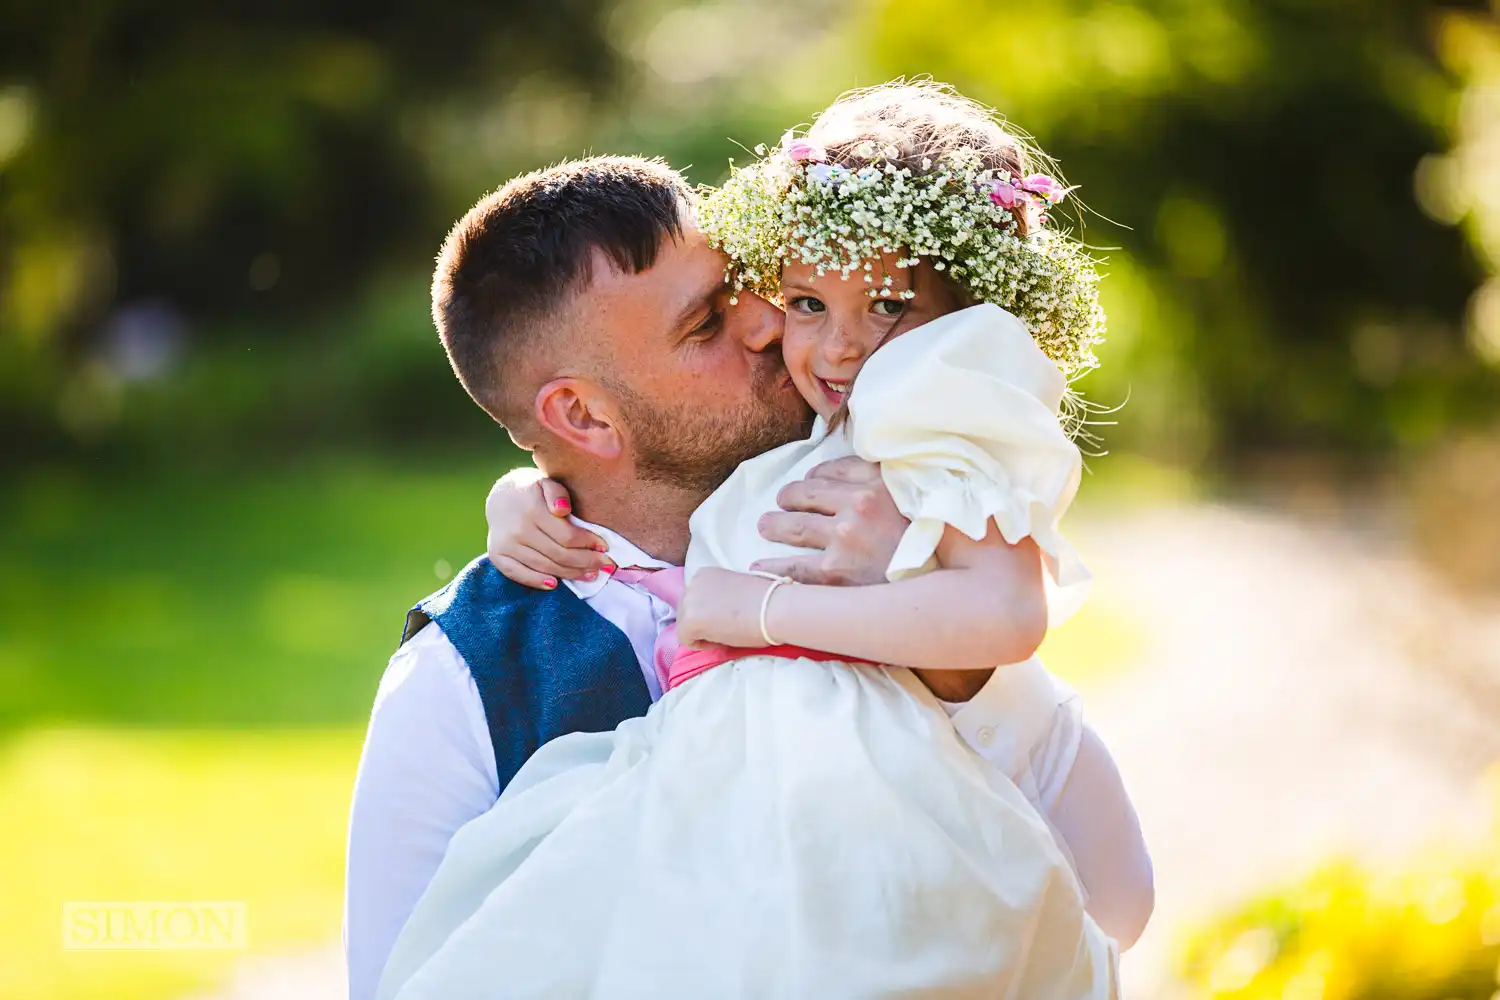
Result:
[[833, 325]]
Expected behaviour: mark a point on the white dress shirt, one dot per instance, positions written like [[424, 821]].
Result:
[[428, 767]]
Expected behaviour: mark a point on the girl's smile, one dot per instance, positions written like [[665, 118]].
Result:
[[833, 390], [833, 325]]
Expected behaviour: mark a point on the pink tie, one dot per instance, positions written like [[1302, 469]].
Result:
[[668, 585]]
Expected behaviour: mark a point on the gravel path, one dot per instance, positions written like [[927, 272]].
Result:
[[1307, 695], [1307, 692]]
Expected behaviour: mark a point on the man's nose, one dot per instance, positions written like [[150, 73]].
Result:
[[761, 323]]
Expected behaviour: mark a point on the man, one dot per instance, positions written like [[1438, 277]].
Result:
[[583, 310]]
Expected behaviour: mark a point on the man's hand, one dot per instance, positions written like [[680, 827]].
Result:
[[843, 509]]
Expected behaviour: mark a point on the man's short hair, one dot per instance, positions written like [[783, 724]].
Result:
[[509, 265]]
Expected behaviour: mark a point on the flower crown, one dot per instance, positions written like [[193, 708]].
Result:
[[793, 205]]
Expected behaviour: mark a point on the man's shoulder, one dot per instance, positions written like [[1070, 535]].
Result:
[[475, 597], [479, 581], [499, 628], [427, 666]]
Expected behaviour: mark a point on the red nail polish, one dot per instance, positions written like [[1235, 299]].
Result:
[[608, 568], [549, 583], [559, 504]]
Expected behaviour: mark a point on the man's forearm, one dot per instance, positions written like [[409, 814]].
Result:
[[954, 685], [1096, 819]]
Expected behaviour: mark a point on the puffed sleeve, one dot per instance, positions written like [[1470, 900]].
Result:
[[962, 416]]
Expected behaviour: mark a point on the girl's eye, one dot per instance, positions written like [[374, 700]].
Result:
[[807, 304], [889, 308]]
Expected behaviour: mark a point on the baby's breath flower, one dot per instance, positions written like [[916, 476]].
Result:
[[787, 208]]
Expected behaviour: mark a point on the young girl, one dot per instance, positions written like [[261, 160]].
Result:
[[791, 823]]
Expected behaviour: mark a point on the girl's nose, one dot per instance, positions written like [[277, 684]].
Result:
[[843, 345]]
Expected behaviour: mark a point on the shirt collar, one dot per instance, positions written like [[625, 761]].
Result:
[[621, 550]]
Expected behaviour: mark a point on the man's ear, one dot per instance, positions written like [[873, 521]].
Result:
[[580, 415]]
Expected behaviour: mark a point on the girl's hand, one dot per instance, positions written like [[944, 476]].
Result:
[[531, 540], [722, 607]]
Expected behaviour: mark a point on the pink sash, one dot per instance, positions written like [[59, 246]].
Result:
[[673, 663]]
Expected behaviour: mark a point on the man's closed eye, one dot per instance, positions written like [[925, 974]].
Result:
[[711, 324]]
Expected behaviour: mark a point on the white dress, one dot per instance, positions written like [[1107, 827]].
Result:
[[778, 828]]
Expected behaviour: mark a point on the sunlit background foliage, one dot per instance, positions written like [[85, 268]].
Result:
[[233, 452], [1299, 192]]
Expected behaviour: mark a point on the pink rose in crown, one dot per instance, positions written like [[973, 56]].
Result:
[[1045, 187], [1003, 193], [802, 151]]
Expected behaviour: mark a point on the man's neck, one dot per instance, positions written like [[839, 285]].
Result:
[[652, 516]]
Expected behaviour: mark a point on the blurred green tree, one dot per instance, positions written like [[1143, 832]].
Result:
[[229, 160], [1281, 288], [1306, 222]]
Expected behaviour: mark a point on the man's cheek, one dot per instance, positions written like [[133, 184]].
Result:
[[715, 360]]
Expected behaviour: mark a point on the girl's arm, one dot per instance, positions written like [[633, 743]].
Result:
[[984, 606], [531, 540]]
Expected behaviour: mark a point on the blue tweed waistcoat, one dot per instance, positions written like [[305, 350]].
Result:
[[545, 663]]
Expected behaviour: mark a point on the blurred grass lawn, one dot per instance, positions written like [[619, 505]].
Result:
[[184, 675], [101, 815]]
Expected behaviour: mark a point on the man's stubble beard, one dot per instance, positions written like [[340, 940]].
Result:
[[696, 450]]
